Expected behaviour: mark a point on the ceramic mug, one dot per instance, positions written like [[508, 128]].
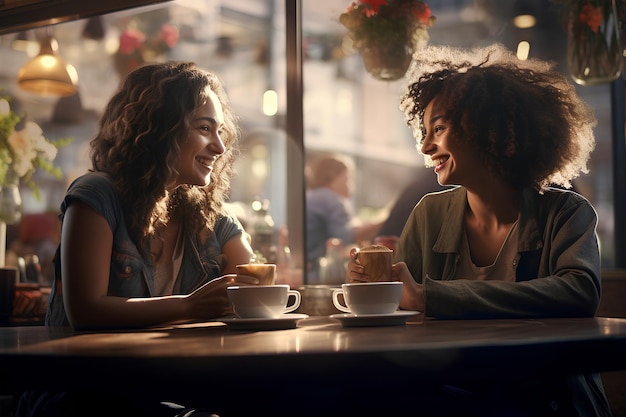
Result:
[[263, 301], [376, 261], [369, 297]]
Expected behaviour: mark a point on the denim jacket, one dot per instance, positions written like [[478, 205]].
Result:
[[131, 274]]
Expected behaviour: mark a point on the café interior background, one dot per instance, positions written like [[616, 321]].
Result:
[[345, 109]]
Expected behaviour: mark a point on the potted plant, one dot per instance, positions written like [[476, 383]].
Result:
[[387, 32], [23, 150]]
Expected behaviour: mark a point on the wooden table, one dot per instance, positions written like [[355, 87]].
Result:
[[315, 367]]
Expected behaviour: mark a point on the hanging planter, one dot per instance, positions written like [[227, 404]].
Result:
[[387, 62], [594, 50], [387, 33]]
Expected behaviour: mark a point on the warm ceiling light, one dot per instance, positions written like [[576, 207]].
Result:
[[523, 50], [47, 74], [524, 21]]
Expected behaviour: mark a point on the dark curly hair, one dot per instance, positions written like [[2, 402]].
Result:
[[523, 117], [141, 132]]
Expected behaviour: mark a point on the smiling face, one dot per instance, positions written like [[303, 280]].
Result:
[[203, 144], [454, 161]]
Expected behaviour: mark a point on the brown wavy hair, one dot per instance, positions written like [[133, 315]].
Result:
[[523, 117], [141, 132]]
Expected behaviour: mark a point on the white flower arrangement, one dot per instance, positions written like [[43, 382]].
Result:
[[24, 149]]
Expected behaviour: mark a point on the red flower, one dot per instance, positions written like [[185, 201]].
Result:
[[373, 6], [591, 16], [422, 13], [130, 40], [397, 21], [169, 34]]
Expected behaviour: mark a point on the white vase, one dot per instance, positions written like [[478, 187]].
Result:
[[10, 210], [10, 204], [594, 50]]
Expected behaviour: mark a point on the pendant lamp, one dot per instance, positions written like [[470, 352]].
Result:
[[48, 74], [94, 29]]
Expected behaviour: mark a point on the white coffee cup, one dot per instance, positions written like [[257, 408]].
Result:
[[263, 301], [369, 297]]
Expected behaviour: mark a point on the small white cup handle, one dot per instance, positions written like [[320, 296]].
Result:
[[336, 302], [296, 303]]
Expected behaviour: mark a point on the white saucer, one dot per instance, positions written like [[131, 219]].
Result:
[[286, 321], [397, 318]]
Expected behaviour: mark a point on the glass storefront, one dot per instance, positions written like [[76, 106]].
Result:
[[344, 109]]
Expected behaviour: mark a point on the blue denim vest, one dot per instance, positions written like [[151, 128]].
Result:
[[131, 274]]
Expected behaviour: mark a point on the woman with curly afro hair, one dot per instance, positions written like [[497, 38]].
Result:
[[504, 242], [146, 239]]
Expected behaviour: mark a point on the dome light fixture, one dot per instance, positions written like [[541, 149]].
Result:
[[525, 14], [524, 21], [48, 74]]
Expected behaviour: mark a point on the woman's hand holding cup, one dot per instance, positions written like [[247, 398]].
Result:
[[412, 291], [370, 264], [211, 300]]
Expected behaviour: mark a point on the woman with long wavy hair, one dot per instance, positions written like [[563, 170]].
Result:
[[145, 237]]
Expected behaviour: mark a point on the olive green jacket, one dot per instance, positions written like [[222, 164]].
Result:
[[557, 275], [557, 267]]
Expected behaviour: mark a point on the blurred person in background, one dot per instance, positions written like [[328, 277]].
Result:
[[392, 226], [329, 211]]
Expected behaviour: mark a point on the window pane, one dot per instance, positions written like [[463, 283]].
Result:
[[243, 42], [349, 112]]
